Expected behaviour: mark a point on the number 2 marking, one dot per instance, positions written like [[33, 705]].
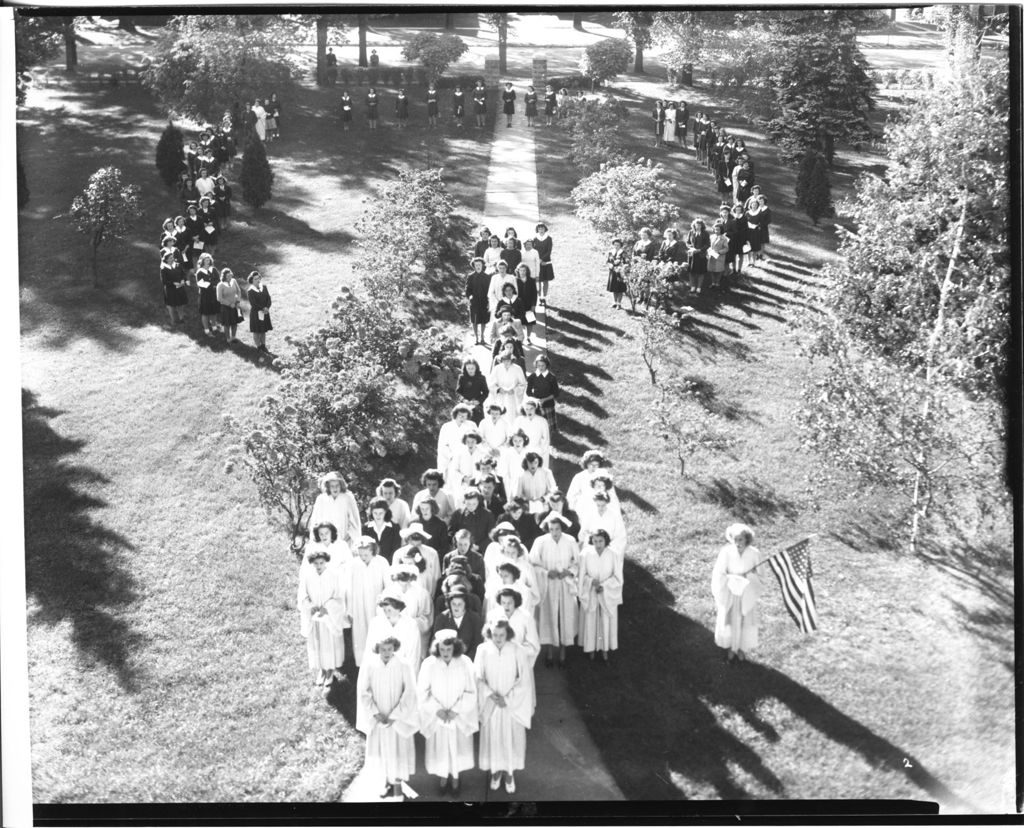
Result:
[[906, 763]]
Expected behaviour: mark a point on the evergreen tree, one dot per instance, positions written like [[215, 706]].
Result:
[[22, 185], [813, 191], [257, 178], [169, 153]]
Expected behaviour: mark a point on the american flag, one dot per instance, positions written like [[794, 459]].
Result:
[[792, 566]]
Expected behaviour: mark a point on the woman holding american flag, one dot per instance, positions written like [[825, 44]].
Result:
[[737, 588]]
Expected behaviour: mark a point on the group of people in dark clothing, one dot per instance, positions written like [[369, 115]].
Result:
[[710, 250], [189, 240]]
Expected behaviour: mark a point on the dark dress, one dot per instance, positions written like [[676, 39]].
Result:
[[648, 251], [550, 102], [530, 98], [508, 102], [673, 251], [432, 104], [402, 108], [371, 106], [346, 108], [469, 630], [700, 242], [480, 101], [473, 389], [473, 558], [222, 202], [478, 523], [545, 389], [543, 248], [526, 528], [388, 540], [477, 286], [436, 528], [173, 279], [259, 300], [208, 304], [735, 229], [755, 231], [459, 104], [481, 247], [512, 257], [766, 220], [617, 262], [527, 292]]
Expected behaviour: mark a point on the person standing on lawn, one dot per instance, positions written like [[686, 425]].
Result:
[[322, 610], [737, 587], [432, 105], [259, 311], [346, 110], [207, 280], [697, 243], [718, 250], [508, 103], [372, 102], [229, 297], [478, 286], [618, 262], [402, 109], [550, 104], [659, 122], [600, 595], [459, 105], [480, 103], [172, 276], [530, 100], [542, 243]]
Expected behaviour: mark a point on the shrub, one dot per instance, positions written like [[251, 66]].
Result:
[[813, 191], [256, 178], [596, 133], [105, 210], [605, 59], [435, 51], [169, 154], [619, 199]]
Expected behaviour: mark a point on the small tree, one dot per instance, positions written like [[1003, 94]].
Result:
[[23, 192], [256, 177], [813, 191], [435, 51], [605, 59], [169, 155], [655, 337], [105, 210], [620, 199], [596, 133], [681, 418], [645, 281]]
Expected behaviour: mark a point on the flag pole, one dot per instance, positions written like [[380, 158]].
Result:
[[786, 549]]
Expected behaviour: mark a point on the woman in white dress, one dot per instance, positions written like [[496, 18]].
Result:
[[510, 607], [448, 710], [419, 605], [495, 427], [322, 609], [449, 437], [737, 588], [369, 575], [535, 482], [505, 708], [592, 461], [325, 536], [389, 489], [422, 556], [432, 480], [601, 516], [536, 427], [669, 131], [514, 552], [337, 505], [600, 595], [508, 384], [462, 468], [261, 120], [600, 483], [492, 255], [510, 462], [393, 623], [556, 563], [509, 575], [387, 712]]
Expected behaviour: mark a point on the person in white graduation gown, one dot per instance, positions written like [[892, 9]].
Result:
[[495, 428], [393, 623], [514, 552], [503, 689], [535, 426], [448, 710], [387, 712], [322, 609], [600, 595], [369, 575], [400, 512], [449, 437], [510, 461], [579, 487], [425, 558], [555, 559], [337, 505], [432, 480], [325, 536], [737, 587], [600, 481], [602, 516], [510, 608], [419, 606]]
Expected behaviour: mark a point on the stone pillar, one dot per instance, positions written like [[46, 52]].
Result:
[[540, 74], [492, 77]]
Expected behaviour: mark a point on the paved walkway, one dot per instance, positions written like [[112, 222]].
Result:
[[562, 761]]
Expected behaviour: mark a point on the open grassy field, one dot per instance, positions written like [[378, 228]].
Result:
[[907, 690], [165, 658], [161, 604]]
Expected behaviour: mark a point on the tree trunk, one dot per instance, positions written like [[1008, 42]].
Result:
[[892, 15], [503, 44], [363, 59], [449, 22], [638, 60], [95, 265], [321, 51], [577, 22], [70, 45]]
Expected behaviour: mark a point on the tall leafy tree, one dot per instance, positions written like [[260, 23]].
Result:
[[813, 189], [637, 25], [604, 59], [688, 37], [914, 334], [256, 178], [104, 211], [36, 39], [169, 155], [500, 23], [204, 63]]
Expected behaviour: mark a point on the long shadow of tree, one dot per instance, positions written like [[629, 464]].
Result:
[[72, 567], [653, 750]]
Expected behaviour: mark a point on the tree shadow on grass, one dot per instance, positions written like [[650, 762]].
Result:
[[72, 567], [707, 395], [585, 402], [656, 711], [641, 503], [577, 374], [710, 339], [755, 502], [583, 320]]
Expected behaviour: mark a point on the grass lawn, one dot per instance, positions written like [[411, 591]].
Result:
[[906, 691], [161, 604]]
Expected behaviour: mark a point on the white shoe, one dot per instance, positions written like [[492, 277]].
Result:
[[510, 784], [495, 781]]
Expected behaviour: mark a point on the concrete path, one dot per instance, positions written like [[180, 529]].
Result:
[[562, 761]]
